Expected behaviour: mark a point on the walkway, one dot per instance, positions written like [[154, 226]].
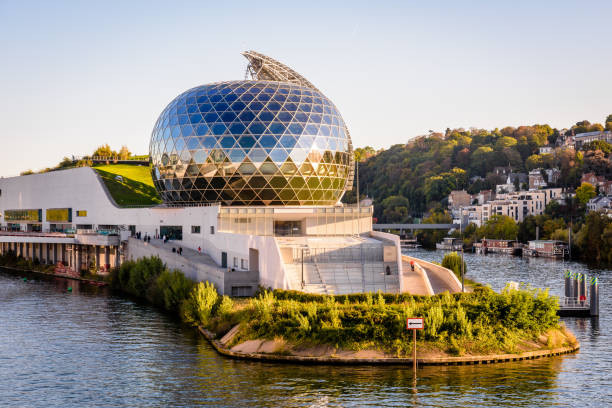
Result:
[[415, 282], [441, 279], [189, 254]]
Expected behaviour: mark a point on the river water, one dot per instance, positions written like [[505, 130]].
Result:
[[91, 348]]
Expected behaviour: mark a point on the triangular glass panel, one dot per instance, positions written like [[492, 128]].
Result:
[[278, 155]]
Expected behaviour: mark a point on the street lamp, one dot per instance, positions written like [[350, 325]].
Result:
[[461, 234]]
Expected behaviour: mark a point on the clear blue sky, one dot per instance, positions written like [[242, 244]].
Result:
[[74, 75]]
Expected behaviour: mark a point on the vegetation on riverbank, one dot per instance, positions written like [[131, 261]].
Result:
[[480, 322], [11, 260], [452, 261]]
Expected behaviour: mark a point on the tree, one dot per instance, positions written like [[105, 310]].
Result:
[[395, 209], [428, 238], [499, 227], [124, 153], [363, 153], [535, 161], [504, 142], [104, 151], [609, 123], [481, 160], [452, 261], [585, 192], [595, 161], [595, 238], [602, 145]]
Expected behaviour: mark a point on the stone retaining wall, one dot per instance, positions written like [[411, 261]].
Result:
[[467, 360]]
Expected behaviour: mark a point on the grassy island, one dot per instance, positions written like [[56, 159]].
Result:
[[294, 323]]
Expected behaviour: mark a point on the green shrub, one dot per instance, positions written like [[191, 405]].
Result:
[[198, 307], [173, 289], [225, 307], [452, 261]]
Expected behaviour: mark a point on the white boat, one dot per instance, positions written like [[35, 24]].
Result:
[[450, 244]]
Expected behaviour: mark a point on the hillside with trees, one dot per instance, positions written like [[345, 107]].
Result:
[[410, 180]]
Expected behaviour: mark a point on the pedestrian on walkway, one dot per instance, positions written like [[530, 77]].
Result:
[[181, 251], [199, 249]]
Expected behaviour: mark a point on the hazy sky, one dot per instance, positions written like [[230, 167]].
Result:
[[74, 75]]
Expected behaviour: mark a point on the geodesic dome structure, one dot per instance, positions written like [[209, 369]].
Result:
[[252, 142]]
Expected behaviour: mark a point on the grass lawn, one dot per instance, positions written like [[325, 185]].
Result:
[[136, 188]]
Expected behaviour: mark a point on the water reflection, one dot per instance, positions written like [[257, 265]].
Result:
[[93, 348]]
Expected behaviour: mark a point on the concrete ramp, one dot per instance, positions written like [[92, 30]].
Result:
[[440, 278], [415, 281]]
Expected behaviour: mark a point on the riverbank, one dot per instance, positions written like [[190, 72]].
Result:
[[277, 351], [482, 326], [95, 282]]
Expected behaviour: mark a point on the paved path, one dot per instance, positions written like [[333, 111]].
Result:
[[188, 253], [414, 281], [440, 278]]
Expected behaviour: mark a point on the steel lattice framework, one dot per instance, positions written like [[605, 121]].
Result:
[[273, 141]]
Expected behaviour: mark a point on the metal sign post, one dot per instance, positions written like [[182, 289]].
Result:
[[414, 324]]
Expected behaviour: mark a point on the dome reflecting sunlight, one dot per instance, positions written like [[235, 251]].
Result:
[[251, 143]]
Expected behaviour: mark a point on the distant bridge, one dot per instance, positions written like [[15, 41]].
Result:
[[384, 227]]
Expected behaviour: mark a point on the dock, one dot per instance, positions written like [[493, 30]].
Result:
[[576, 303]]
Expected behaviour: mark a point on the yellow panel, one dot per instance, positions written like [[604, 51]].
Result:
[[58, 215]]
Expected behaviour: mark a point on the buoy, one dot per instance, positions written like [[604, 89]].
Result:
[[69, 288]]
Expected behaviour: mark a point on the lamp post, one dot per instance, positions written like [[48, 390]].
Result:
[[461, 235]]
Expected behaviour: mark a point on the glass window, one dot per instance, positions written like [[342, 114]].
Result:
[[256, 128], [218, 129], [288, 141], [268, 141], [195, 118], [221, 106], [205, 107], [228, 116], [266, 116], [238, 106], [209, 142], [227, 142], [202, 129], [195, 229], [277, 128], [246, 142]]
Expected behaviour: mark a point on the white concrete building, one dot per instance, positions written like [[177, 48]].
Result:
[[68, 216]]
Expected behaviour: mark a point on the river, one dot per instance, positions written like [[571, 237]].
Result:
[[89, 347]]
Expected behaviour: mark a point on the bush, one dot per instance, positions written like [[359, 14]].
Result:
[[173, 288], [452, 261], [198, 307], [479, 321]]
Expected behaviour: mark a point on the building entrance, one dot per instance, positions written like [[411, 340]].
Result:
[[288, 228], [171, 232]]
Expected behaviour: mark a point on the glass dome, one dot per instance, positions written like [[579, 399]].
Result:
[[251, 143]]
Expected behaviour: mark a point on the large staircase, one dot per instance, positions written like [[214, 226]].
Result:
[[337, 265]]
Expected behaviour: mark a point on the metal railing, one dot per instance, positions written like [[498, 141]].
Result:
[[575, 303]]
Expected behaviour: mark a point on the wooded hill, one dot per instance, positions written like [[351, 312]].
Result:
[[409, 180]]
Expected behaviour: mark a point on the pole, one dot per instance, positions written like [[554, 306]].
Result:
[[594, 297], [461, 234], [569, 245], [414, 361], [302, 268]]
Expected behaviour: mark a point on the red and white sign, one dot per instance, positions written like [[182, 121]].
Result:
[[415, 323]]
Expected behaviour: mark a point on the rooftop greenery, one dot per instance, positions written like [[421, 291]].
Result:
[[134, 187]]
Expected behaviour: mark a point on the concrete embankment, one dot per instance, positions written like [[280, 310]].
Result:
[[55, 275], [265, 352]]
